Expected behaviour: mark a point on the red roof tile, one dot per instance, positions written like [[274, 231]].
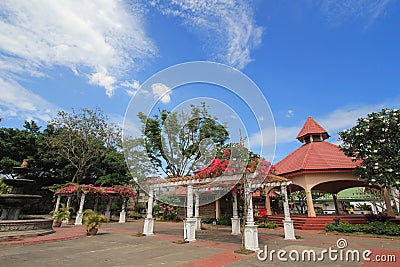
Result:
[[311, 127], [315, 156]]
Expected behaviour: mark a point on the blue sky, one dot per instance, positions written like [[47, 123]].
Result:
[[332, 60]]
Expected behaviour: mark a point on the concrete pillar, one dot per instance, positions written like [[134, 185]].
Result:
[[268, 203], [310, 204], [197, 211], [78, 220], [148, 228], [250, 229], [68, 205], [235, 218], [189, 226], [335, 202], [108, 213], [388, 205], [217, 209], [96, 203], [57, 203], [122, 214], [287, 222]]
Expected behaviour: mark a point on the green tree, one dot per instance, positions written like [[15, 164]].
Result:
[[375, 140], [177, 142], [82, 139]]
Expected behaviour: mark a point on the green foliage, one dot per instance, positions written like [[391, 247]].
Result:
[[224, 220], [376, 141], [82, 139], [92, 220], [207, 220], [380, 217], [175, 142], [375, 227], [168, 207], [4, 189], [135, 215], [267, 224], [63, 213]]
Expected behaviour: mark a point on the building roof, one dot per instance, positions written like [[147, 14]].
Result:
[[311, 127], [316, 155]]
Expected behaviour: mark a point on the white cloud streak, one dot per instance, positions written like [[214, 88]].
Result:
[[228, 26], [338, 11]]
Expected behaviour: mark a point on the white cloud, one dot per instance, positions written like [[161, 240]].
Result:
[[19, 102], [162, 92], [133, 87], [99, 39], [289, 113], [228, 25], [339, 11]]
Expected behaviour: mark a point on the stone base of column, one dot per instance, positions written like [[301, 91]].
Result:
[[198, 223], [107, 214], [148, 226], [189, 232], [122, 216], [78, 219], [235, 226], [251, 237], [289, 230]]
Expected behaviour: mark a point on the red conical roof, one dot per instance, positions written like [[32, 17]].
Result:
[[311, 127]]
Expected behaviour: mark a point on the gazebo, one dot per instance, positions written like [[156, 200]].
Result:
[[193, 185], [318, 165]]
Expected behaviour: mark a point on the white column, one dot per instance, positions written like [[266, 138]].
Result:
[[96, 203], [108, 213], [287, 222], [235, 218], [57, 203], [148, 228], [78, 220], [122, 214], [189, 233], [250, 229], [197, 210], [68, 205]]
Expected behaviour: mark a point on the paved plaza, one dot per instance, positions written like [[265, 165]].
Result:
[[120, 245]]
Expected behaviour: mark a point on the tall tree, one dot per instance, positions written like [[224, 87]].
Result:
[[376, 141], [82, 139], [177, 142]]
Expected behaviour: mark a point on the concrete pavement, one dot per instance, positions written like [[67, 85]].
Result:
[[119, 245]]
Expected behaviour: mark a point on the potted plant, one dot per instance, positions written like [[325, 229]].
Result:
[[63, 213], [92, 221]]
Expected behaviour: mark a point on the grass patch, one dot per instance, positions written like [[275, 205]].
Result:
[[298, 237], [361, 234], [244, 251]]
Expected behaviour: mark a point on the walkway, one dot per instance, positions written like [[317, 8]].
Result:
[[119, 245]]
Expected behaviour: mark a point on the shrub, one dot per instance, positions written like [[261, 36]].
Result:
[[267, 224], [380, 217], [207, 220], [225, 220], [376, 227], [343, 227]]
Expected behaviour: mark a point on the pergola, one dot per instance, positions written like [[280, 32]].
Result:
[[193, 186], [98, 191]]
